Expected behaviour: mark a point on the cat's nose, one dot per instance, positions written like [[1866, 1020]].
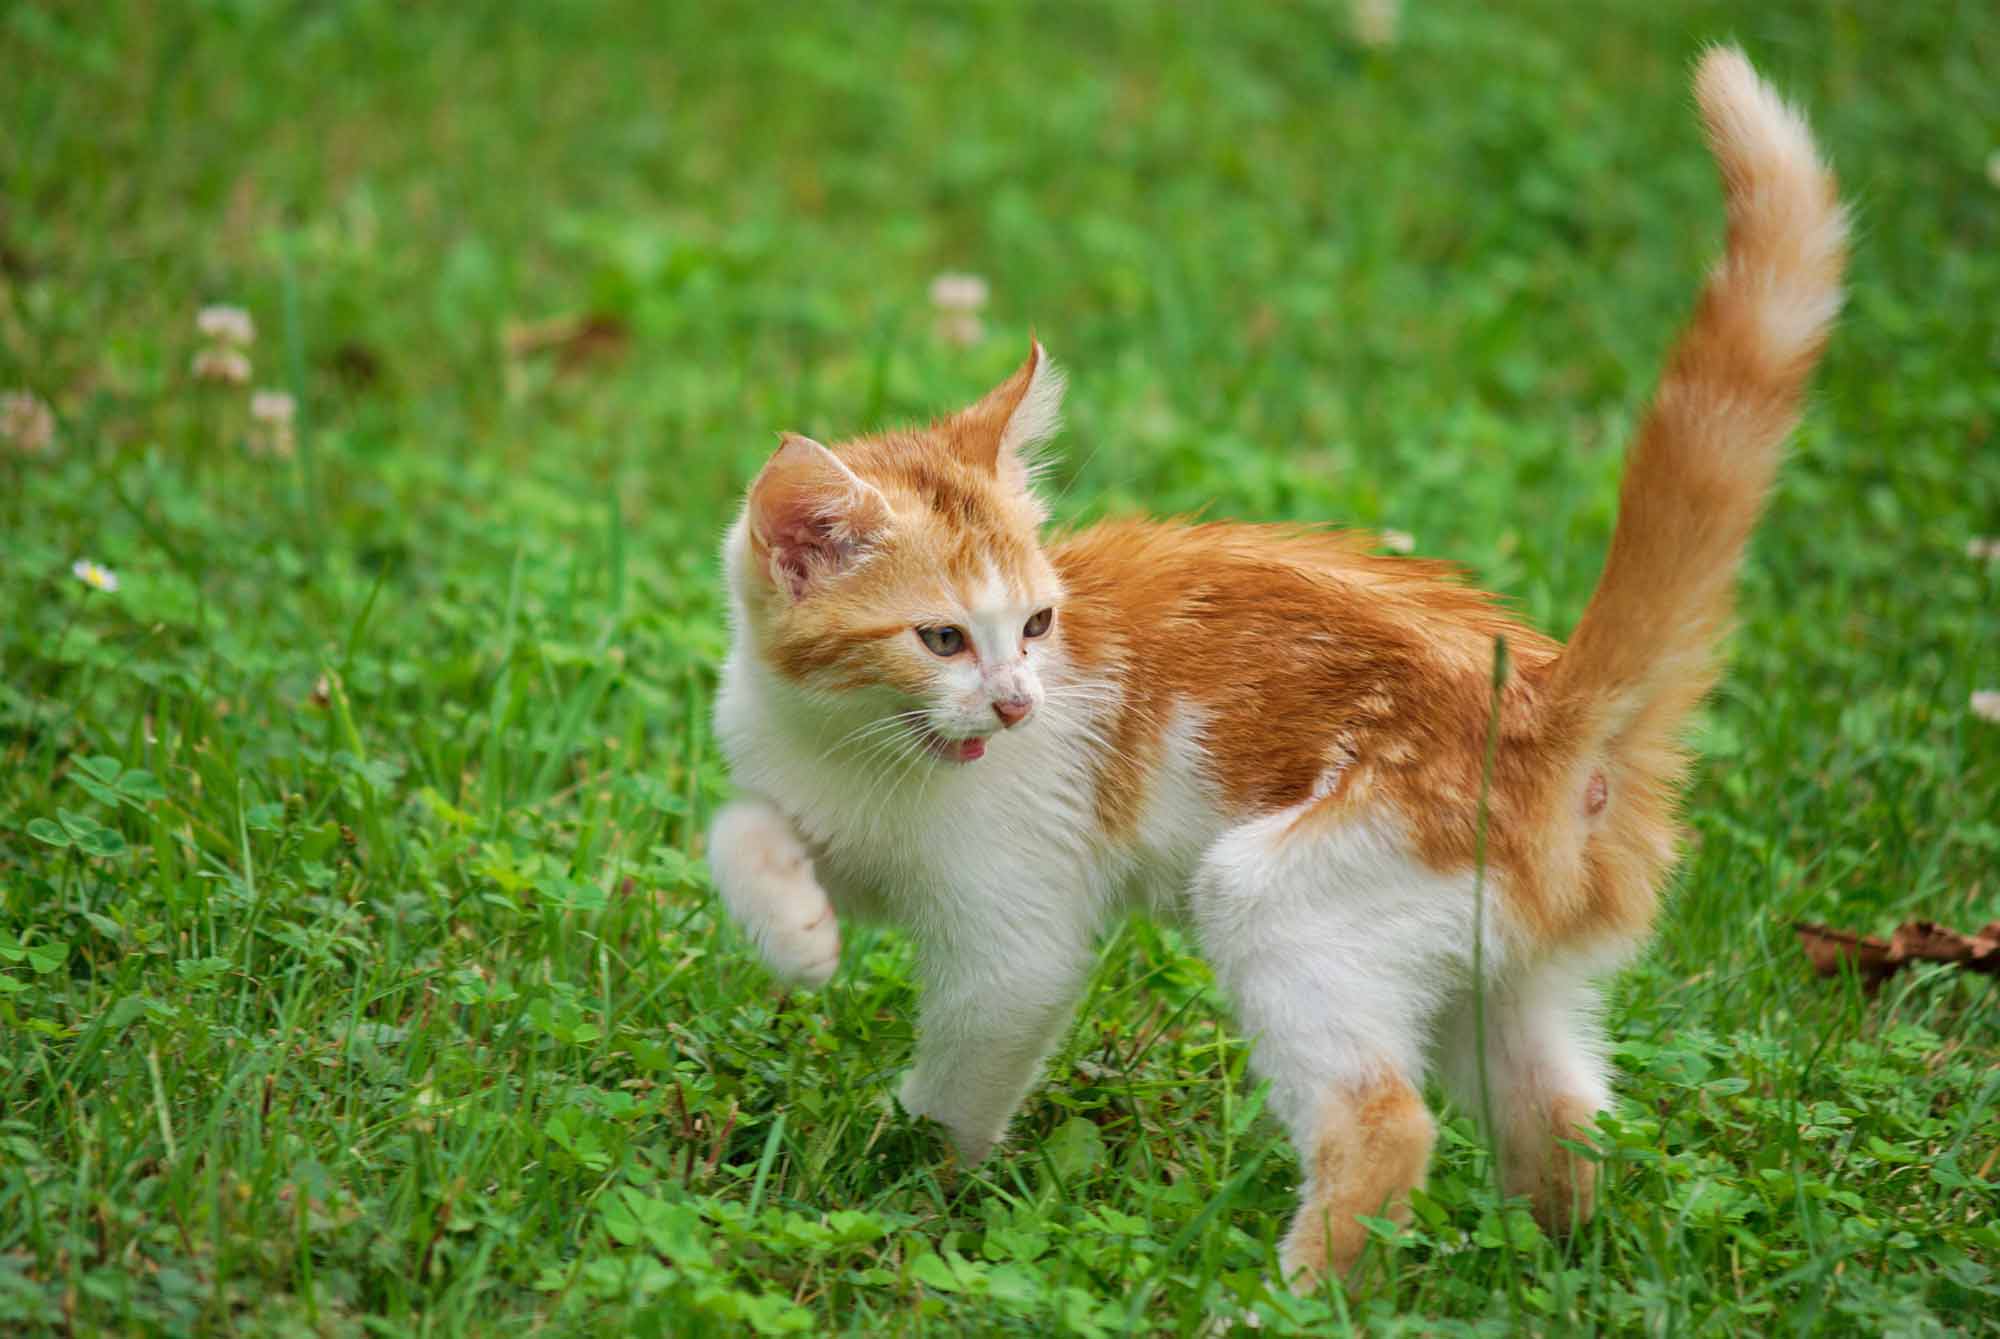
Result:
[[1012, 710]]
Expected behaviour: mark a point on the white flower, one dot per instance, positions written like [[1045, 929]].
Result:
[[226, 366], [1398, 541], [273, 407], [960, 328], [1374, 22], [958, 292], [94, 575], [26, 423], [1986, 705], [271, 415], [225, 325], [1985, 547], [958, 298]]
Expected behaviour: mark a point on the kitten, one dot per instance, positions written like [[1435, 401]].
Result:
[[941, 721]]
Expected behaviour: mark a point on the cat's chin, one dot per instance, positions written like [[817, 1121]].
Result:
[[951, 750]]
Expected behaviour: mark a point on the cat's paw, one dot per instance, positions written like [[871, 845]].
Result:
[[765, 875], [971, 1141], [803, 947]]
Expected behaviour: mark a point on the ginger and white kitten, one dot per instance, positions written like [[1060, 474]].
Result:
[[999, 743]]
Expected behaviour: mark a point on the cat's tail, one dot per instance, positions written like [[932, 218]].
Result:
[[1709, 445]]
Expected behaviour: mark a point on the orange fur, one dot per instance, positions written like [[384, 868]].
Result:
[[1301, 649], [1560, 1185], [1644, 654], [1374, 1145], [955, 517]]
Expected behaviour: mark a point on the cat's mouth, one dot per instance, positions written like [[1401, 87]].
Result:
[[951, 750]]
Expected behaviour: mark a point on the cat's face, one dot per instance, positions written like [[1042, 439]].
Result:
[[900, 581]]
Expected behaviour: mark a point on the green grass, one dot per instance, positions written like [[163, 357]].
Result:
[[405, 1008]]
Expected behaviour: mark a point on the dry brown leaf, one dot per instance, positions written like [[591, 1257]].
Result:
[[575, 339], [1830, 948], [1875, 959]]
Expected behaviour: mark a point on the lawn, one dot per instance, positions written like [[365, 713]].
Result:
[[359, 969]]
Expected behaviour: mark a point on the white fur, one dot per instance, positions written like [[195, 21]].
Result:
[[1782, 192], [1036, 419], [992, 867], [1542, 1039], [766, 878], [1180, 816], [1339, 949], [1039, 415], [1004, 665]]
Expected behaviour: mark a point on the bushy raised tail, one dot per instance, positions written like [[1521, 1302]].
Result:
[[1709, 445]]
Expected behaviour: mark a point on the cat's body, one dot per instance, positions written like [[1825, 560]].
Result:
[[1264, 733]]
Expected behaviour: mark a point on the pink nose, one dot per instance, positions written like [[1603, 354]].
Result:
[[1012, 710]]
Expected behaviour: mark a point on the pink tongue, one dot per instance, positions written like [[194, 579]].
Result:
[[968, 749]]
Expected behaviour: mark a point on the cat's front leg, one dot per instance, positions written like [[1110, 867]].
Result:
[[765, 876], [994, 1005]]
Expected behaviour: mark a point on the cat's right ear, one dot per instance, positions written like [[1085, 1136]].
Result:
[[811, 517]]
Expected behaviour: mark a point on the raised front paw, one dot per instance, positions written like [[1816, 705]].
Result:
[[804, 944], [766, 878]]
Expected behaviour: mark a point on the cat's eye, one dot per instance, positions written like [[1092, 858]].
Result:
[[1039, 624], [945, 641]]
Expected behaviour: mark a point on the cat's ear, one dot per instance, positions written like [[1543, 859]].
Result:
[[1003, 429], [811, 517]]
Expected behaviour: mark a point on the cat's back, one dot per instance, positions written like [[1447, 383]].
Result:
[[1227, 592], [1292, 646]]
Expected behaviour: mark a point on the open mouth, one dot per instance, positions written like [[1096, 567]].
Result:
[[951, 750]]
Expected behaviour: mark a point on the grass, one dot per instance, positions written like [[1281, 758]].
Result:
[[359, 974]]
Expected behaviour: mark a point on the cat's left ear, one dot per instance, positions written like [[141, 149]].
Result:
[[1003, 429], [811, 518]]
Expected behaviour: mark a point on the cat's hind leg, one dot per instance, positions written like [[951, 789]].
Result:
[[1337, 948], [765, 876], [1543, 1085]]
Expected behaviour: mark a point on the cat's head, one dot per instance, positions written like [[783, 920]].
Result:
[[901, 576]]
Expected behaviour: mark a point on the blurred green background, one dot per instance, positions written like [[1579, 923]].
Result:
[[358, 969]]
